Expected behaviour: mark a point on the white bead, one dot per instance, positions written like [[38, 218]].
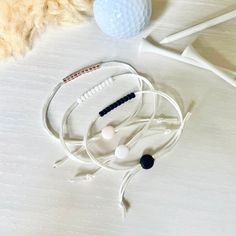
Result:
[[122, 152], [82, 98], [79, 101], [86, 95], [108, 132], [110, 80]]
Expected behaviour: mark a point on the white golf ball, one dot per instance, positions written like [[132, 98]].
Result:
[[122, 18]]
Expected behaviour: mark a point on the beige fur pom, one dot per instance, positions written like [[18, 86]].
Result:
[[21, 20]]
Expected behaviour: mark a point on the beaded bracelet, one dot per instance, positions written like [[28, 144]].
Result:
[[88, 95], [123, 150], [72, 77], [147, 160]]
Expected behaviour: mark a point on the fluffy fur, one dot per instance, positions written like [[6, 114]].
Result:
[[21, 20]]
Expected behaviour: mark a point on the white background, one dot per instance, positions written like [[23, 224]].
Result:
[[191, 191]]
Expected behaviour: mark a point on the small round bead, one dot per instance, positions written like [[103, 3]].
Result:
[[108, 132], [86, 95], [122, 152], [147, 161], [126, 98], [123, 100], [110, 80], [116, 104], [79, 101], [113, 106], [102, 113], [107, 110]]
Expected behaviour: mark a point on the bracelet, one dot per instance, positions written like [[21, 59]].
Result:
[[45, 111], [147, 160], [123, 150], [88, 95]]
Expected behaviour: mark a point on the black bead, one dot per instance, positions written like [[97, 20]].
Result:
[[126, 98], [133, 95], [110, 108], [119, 102], [147, 161], [130, 96], [113, 106], [123, 100], [102, 113], [107, 110]]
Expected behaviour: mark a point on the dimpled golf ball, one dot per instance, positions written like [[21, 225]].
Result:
[[122, 18]]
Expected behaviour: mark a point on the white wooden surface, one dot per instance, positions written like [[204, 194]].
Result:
[[190, 192]]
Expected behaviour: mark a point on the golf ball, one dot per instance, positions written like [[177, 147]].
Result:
[[122, 18]]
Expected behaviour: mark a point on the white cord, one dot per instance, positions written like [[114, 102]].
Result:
[[139, 121], [123, 203]]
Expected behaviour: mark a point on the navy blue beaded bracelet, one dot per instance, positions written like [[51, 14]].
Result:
[[117, 104]]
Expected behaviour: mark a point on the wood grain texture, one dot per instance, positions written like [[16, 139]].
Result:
[[190, 192]]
